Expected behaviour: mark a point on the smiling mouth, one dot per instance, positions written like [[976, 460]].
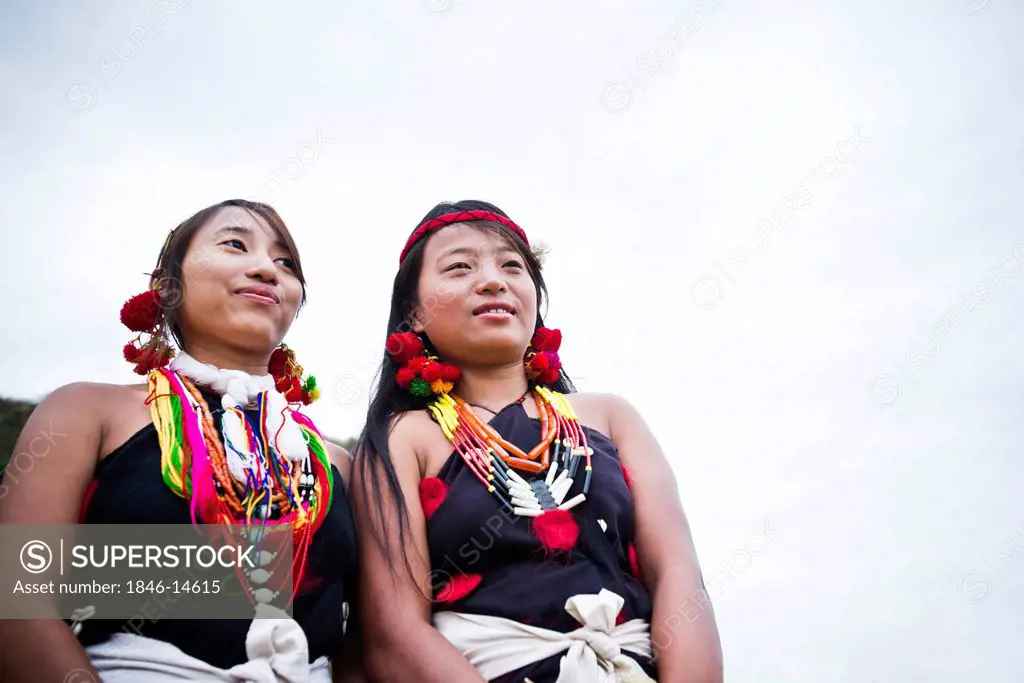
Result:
[[498, 310], [259, 297]]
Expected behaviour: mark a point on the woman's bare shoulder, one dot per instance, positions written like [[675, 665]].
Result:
[[410, 426], [340, 458], [417, 441], [83, 411], [93, 397], [597, 410], [110, 411]]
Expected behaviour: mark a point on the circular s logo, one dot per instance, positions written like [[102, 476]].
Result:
[[36, 557], [616, 97], [79, 676]]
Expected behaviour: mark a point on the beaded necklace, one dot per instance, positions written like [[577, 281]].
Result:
[[252, 474], [552, 465]]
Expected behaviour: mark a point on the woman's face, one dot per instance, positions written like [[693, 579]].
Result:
[[238, 286], [477, 301]]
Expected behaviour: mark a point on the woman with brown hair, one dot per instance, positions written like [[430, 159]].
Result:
[[214, 436], [515, 530]]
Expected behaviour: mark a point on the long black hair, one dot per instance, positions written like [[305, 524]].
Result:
[[388, 400]]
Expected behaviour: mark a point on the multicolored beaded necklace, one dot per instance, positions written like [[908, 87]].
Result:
[[552, 465], [254, 474]]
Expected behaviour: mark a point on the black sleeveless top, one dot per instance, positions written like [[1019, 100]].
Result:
[[478, 544], [128, 489]]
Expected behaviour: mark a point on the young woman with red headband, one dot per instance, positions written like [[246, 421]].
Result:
[[514, 530], [214, 436]]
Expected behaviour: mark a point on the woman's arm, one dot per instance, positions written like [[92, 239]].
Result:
[[401, 643], [69, 423], [349, 656], [341, 459], [683, 628]]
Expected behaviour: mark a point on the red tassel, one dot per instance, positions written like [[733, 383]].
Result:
[[432, 493], [556, 529], [625, 475], [459, 587], [147, 360]]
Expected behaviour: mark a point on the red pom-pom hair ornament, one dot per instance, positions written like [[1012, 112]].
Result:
[[542, 361], [421, 374], [404, 346], [545, 339], [143, 314]]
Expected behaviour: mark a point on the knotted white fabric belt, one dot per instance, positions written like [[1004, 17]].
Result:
[[594, 653], [277, 649]]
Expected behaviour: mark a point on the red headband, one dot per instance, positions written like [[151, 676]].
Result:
[[458, 217]]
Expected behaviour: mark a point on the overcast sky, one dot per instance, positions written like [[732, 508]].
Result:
[[789, 232]]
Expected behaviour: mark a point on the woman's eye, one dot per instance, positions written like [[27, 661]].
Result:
[[513, 264], [456, 266], [237, 244], [287, 263]]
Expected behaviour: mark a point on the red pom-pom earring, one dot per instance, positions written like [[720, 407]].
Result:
[[143, 313], [541, 359], [421, 374], [287, 374]]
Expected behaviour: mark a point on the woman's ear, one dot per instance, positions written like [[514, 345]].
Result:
[[416, 321]]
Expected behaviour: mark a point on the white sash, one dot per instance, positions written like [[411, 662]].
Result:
[[594, 653], [277, 649]]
